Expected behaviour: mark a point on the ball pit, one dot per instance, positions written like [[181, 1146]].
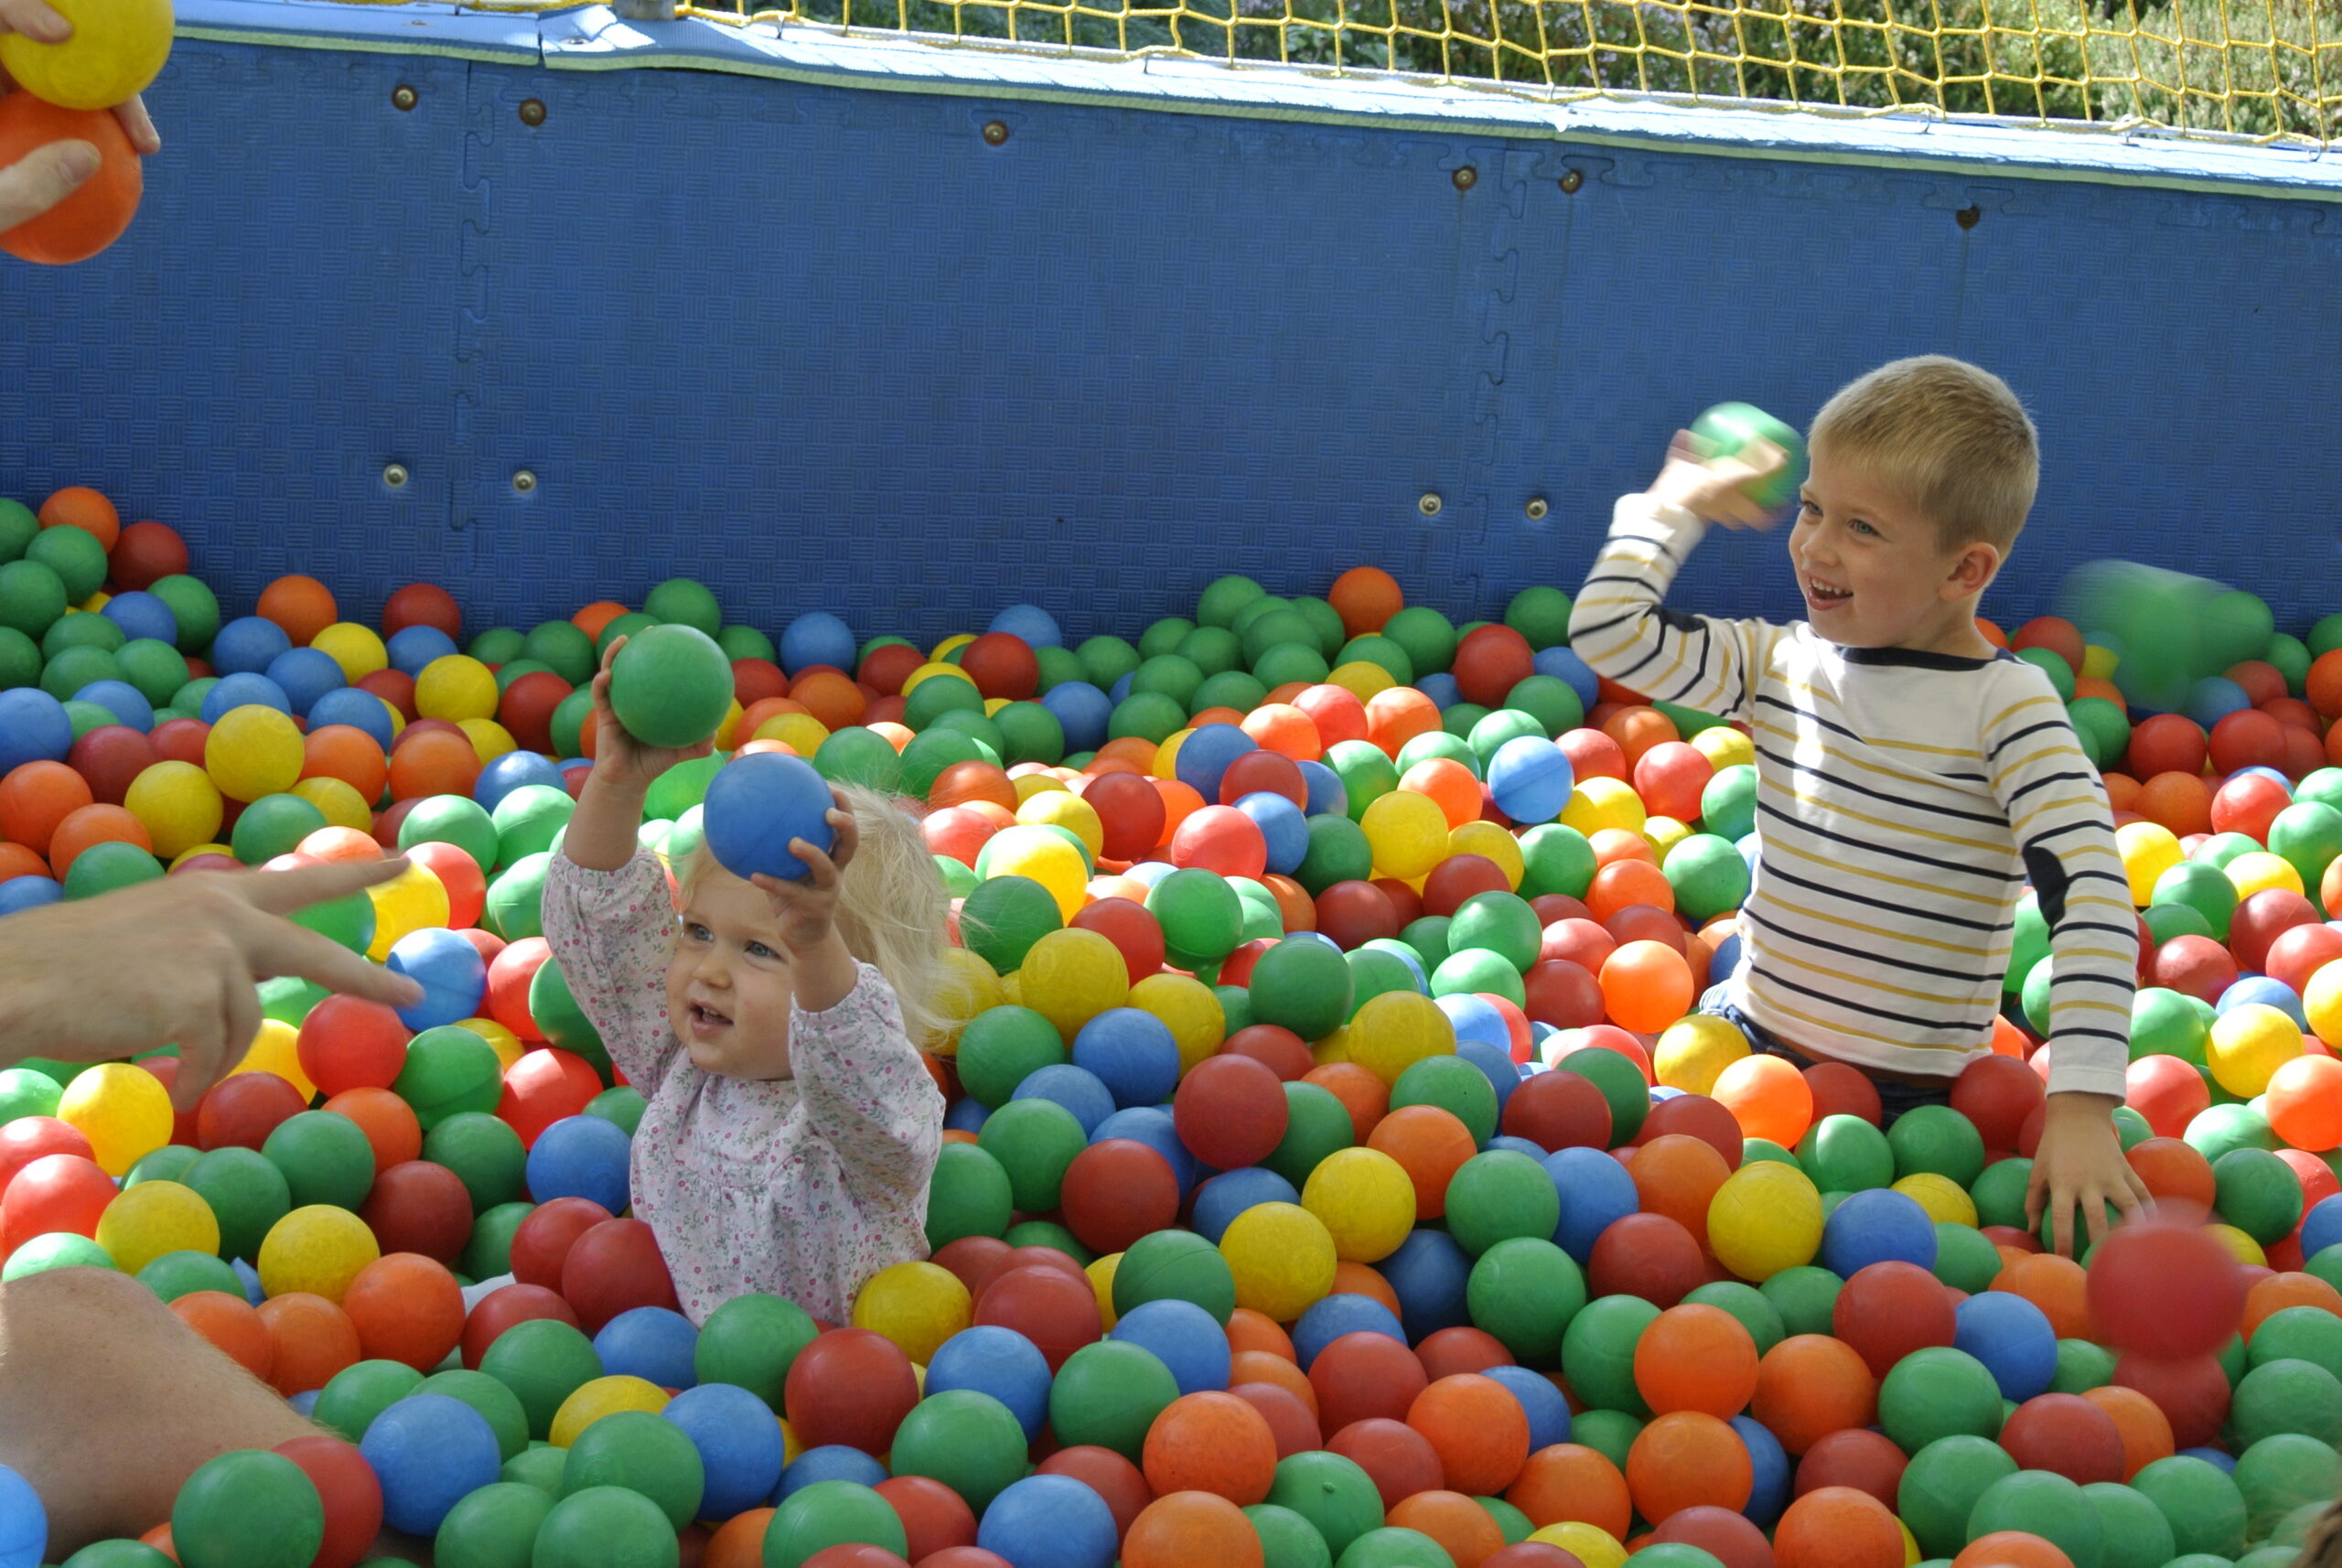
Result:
[[1338, 1173]]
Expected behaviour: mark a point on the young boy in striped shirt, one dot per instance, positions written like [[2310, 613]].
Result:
[[1911, 779]]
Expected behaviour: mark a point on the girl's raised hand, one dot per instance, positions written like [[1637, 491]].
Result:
[[618, 757], [807, 909]]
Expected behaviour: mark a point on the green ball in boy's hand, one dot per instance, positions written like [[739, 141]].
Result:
[[1726, 428], [670, 686]]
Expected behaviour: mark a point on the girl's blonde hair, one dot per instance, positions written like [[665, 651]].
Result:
[[892, 905]]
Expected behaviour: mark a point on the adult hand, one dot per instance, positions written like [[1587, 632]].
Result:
[[47, 175], [175, 962]]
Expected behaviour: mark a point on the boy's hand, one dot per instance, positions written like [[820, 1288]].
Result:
[[618, 757], [1712, 491], [2081, 1160]]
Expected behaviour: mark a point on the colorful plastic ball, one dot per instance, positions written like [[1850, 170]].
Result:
[[739, 1445], [645, 1453], [316, 1250], [1133, 1054], [1768, 1096], [1282, 1259], [1050, 1522], [252, 1509], [1365, 1200], [851, 1386], [153, 1220], [1230, 1111], [1185, 1337], [603, 1525], [1766, 1217], [1938, 1392], [581, 1156], [1530, 780], [1874, 1226], [997, 1361], [2165, 1290], [915, 1304], [758, 806], [429, 1452], [124, 1110], [2012, 1337]]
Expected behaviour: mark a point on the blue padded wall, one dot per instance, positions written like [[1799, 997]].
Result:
[[822, 347]]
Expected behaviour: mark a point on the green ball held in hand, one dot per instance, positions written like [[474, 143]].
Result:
[[1727, 429], [670, 686]]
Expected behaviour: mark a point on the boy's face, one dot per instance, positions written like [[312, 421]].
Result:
[[731, 980], [1873, 570]]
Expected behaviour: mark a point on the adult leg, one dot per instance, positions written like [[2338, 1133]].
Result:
[[108, 1402]]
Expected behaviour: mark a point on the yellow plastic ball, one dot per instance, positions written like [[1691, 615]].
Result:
[[1406, 832], [1062, 808], [506, 1044], [1361, 679], [1599, 803], [410, 901], [179, 804], [343, 806], [2259, 871], [1395, 1030], [1911, 1557], [2248, 1043], [1029, 785], [2241, 1247], [801, 733], [1333, 1047], [933, 669], [1945, 1200], [2098, 663], [727, 728], [117, 49], [2322, 1004], [917, 1305], [1491, 842], [966, 987], [2148, 850], [950, 646], [1766, 1217], [1102, 1284], [155, 1218], [1725, 747], [1043, 857], [1283, 1259], [1189, 1009], [276, 1048], [194, 850], [1167, 756], [1692, 1051], [993, 705], [353, 647], [455, 687], [317, 1250], [1664, 833], [489, 739], [599, 1397], [1589, 1544], [124, 1110], [1366, 1202], [252, 751], [1071, 976]]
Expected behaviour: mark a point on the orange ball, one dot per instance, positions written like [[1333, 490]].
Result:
[[974, 779], [2174, 1169], [1364, 1095], [1476, 1427], [1448, 783], [2323, 686], [1285, 729], [740, 1543], [2011, 1548], [2058, 1286], [1570, 1481], [2144, 1429], [1670, 777], [35, 798], [1639, 730], [1677, 1175], [231, 1326], [597, 616], [1694, 1358], [1468, 1532], [77, 505], [388, 1122], [1366, 598], [1625, 883], [1620, 843], [831, 697], [2057, 634], [1767, 1097], [1430, 1145], [1183, 1528], [1251, 1330], [349, 754], [100, 208], [1210, 1441], [1838, 1527], [1688, 1459], [435, 762], [1811, 1385], [94, 824], [1646, 986], [406, 1308], [312, 1338], [1397, 715], [2305, 1102], [1277, 1372], [2180, 801], [2273, 1296], [1359, 1279], [302, 606]]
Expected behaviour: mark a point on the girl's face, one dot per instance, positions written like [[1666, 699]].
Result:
[[731, 981]]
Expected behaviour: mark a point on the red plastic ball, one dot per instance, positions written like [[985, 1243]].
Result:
[[2260, 919], [1132, 927], [1462, 877], [241, 1111], [615, 1267], [2165, 1290], [541, 1245], [542, 1087], [850, 1386], [1887, 1310], [2197, 966], [2167, 743], [1670, 777], [2248, 739], [2247, 804], [346, 1042], [1351, 914], [1647, 1255], [1489, 663], [351, 1495], [509, 975], [1278, 1049], [1229, 1111], [1858, 1457], [1562, 994], [2168, 1092], [1997, 1093], [1057, 1311], [1264, 772], [503, 1307], [420, 1207], [1730, 1537], [1396, 1458], [110, 758], [1119, 1189], [57, 1192], [2067, 1434], [421, 604], [2301, 951], [1364, 1375], [934, 1517], [1001, 664], [1122, 1484], [1559, 1110], [145, 555], [1448, 1351], [1131, 814], [2193, 1394], [29, 1138]]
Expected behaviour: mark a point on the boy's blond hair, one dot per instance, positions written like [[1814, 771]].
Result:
[[892, 905], [1953, 437]]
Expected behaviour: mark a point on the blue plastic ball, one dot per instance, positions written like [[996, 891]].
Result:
[[2013, 1339], [830, 1462], [1530, 779], [817, 637], [1082, 711], [2218, 1459], [1877, 1225], [1441, 688], [141, 614], [1563, 664], [430, 1452], [28, 892], [1331, 1317], [1282, 827], [245, 689], [246, 646], [739, 1444], [1183, 1338], [1326, 791], [758, 806], [1769, 1467], [581, 1156], [1495, 1064], [24, 1523], [2214, 698], [1205, 755], [413, 648], [1428, 1274], [1476, 1020], [34, 728], [2263, 771], [1049, 1521], [2268, 993], [1548, 1412], [358, 708], [123, 701], [1220, 1200], [1031, 622], [1133, 1053], [2321, 1227], [653, 1343], [515, 770], [1535, 1150], [453, 975], [305, 674], [990, 1360], [966, 1114], [1725, 959], [1596, 1193], [1151, 1125], [1069, 1086]]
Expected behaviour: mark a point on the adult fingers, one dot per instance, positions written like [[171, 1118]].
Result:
[[140, 125], [42, 178], [244, 1017], [203, 1047], [282, 892], [35, 20], [274, 947]]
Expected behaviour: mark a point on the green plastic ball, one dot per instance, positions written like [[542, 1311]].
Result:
[[1938, 1393], [2284, 1397], [1527, 1292], [969, 1195], [174, 1274], [1109, 1393], [752, 1341], [497, 1404], [969, 1441], [1317, 1123], [247, 1509], [495, 1527], [1940, 1487], [2045, 1504], [248, 1195], [2132, 1532], [1597, 1351], [2199, 1501], [543, 1362], [354, 1396], [1331, 1493], [642, 1453], [1805, 1296], [1035, 1140], [1463, 1092], [325, 1156], [486, 1155], [670, 686], [602, 1527]]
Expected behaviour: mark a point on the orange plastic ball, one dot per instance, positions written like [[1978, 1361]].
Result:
[[1767, 1097], [302, 606], [1366, 598], [100, 208], [1696, 1358], [1838, 1527], [1688, 1459]]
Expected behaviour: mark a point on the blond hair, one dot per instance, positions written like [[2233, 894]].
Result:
[[892, 905], [1953, 437]]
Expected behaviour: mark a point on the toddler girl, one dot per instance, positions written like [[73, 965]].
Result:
[[791, 1126]]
